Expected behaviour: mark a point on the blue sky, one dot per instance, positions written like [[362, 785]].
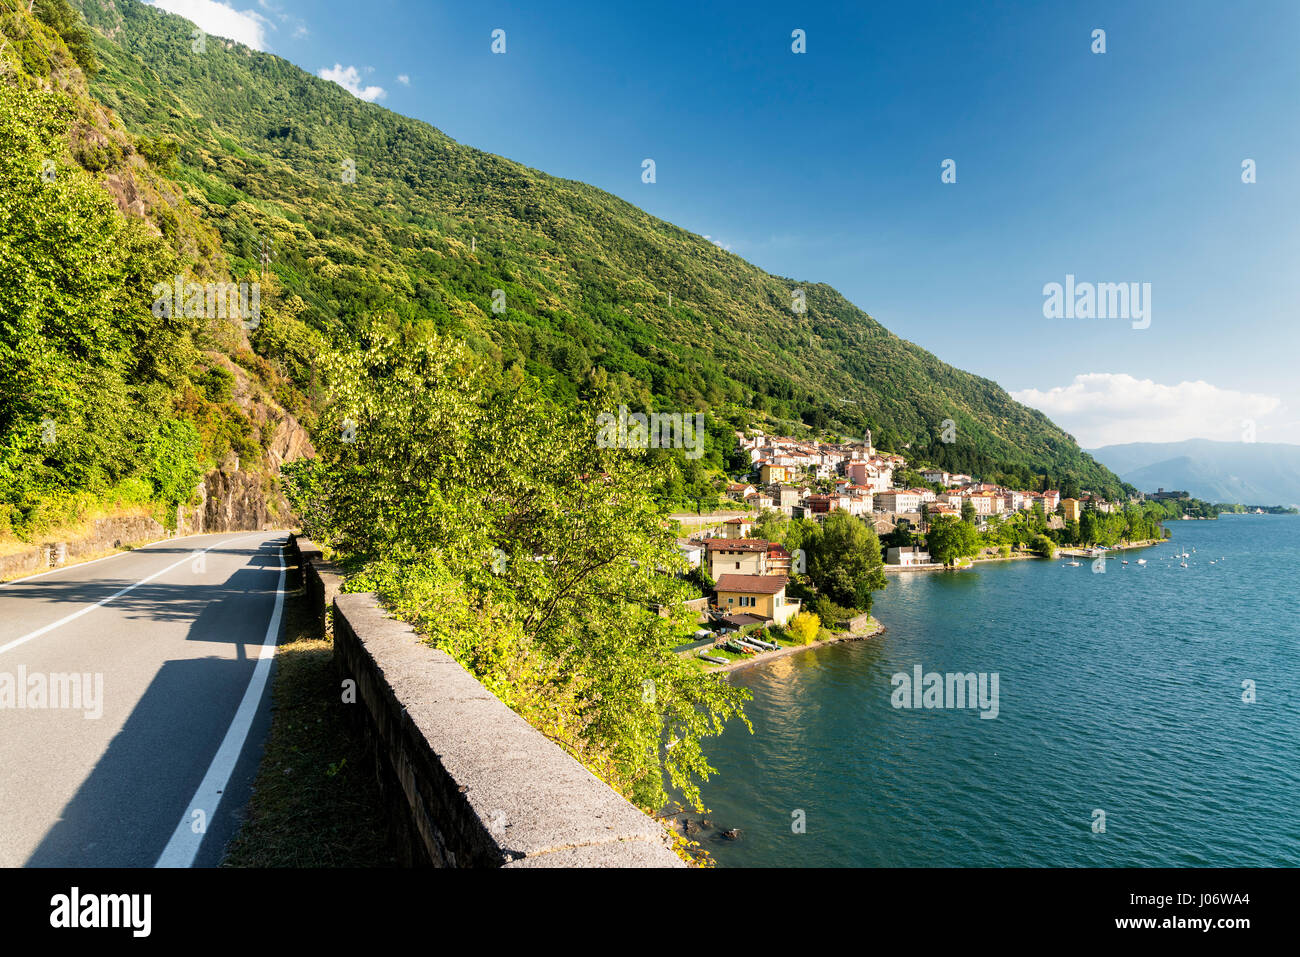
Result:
[[1122, 166]]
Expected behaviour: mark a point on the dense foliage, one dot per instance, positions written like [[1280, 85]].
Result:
[[87, 373], [491, 518], [949, 538]]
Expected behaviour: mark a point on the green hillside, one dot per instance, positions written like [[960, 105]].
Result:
[[104, 401], [429, 228]]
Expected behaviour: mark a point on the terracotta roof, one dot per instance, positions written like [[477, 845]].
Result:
[[752, 584], [737, 544]]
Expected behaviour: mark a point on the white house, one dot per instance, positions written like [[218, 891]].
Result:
[[909, 555]]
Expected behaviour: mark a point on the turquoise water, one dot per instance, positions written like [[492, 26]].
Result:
[[1120, 692]]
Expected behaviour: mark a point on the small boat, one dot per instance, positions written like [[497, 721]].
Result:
[[1124, 563], [1184, 564], [1074, 564], [1142, 561]]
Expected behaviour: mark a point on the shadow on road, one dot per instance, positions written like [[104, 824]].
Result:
[[125, 811]]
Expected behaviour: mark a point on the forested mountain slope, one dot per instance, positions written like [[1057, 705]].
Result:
[[428, 229], [107, 401]]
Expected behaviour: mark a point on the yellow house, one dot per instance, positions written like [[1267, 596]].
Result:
[[1073, 508], [760, 595], [770, 474]]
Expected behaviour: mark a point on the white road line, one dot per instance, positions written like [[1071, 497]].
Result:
[[188, 836], [104, 601]]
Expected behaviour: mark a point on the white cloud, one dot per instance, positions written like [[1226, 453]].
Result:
[[350, 79], [403, 79], [219, 19], [1103, 408]]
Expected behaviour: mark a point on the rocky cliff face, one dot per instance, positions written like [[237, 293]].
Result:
[[232, 500], [228, 502], [235, 498], [289, 442]]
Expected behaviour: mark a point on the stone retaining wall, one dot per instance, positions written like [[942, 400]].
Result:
[[105, 535], [469, 783]]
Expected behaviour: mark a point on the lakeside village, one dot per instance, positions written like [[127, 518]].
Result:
[[816, 526]]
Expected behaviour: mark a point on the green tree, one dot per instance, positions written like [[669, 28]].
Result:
[[494, 520], [844, 560], [900, 536], [951, 538], [1087, 527], [1044, 546], [60, 16], [968, 513], [772, 526], [87, 372]]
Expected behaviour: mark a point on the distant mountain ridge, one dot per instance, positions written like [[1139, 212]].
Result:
[[1249, 473]]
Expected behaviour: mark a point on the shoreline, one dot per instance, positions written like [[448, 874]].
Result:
[[878, 628], [767, 656], [1082, 551], [930, 567]]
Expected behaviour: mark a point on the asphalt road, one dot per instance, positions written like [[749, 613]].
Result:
[[158, 661]]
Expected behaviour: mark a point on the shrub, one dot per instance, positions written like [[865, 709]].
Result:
[[804, 627]]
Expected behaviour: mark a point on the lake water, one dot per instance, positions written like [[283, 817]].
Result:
[[1119, 692]]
